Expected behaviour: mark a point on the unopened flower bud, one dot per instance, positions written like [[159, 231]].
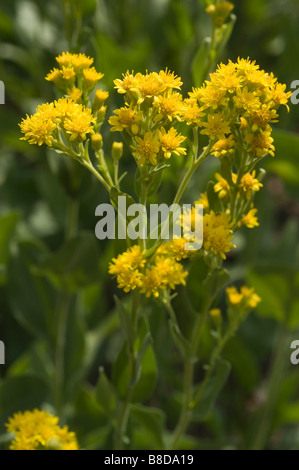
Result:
[[99, 99], [97, 141], [117, 150]]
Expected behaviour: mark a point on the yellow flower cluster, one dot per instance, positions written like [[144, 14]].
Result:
[[131, 273], [238, 103], [153, 105], [245, 298], [38, 430], [217, 234], [64, 116], [75, 74], [69, 119]]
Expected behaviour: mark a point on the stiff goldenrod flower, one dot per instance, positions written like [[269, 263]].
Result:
[[216, 127], [223, 147], [146, 149], [250, 183], [222, 187], [170, 79], [250, 220], [149, 86], [75, 94], [125, 118], [77, 61], [80, 124], [204, 201], [117, 150], [126, 268], [215, 312], [170, 142], [260, 144], [219, 12], [174, 248], [165, 273], [191, 113], [38, 430], [127, 84], [91, 77], [246, 298], [169, 106], [99, 99], [38, 130], [217, 234]]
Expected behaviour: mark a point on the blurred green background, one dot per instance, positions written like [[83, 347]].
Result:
[[38, 191]]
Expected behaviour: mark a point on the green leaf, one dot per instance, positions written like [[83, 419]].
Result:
[[20, 393], [74, 265], [273, 290], [180, 341], [151, 421], [200, 61], [7, 225], [125, 321], [105, 394], [213, 389]]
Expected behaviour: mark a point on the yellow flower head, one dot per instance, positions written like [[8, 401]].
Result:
[[127, 84], [170, 142], [165, 273], [169, 106], [170, 79], [77, 61], [35, 430], [249, 183], [223, 147], [216, 127], [91, 77], [125, 119], [217, 234], [126, 268], [246, 298], [222, 187], [191, 113], [146, 149], [80, 124], [260, 144], [250, 220], [38, 129]]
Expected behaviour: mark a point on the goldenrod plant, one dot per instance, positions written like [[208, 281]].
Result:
[[161, 133]]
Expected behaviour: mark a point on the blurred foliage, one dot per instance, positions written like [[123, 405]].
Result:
[[41, 270]]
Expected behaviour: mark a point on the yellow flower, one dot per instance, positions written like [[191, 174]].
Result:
[[217, 234], [191, 113], [170, 79], [75, 94], [216, 127], [249, 183], [234, 297], [246, 298], [250, 220], [38, 129], [223, 147], [170, 142], [279, 96], [129, 83], [204, 201], [80, 124], [68, 74], [125, 119], [175, 248], [246, 100], [91, 77], [222, 187], [220, 12], [37, 429], [166, 273], [169, 106], [261, 144], [126, 268], [99, 99], [210, 96], [146, 149], [77, 61], [262, 117], [215, 312], [149, 86]]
